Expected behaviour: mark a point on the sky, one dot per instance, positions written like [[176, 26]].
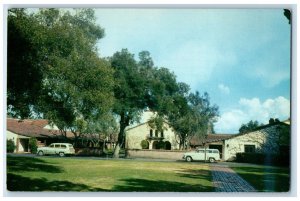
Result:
[[241, 57]]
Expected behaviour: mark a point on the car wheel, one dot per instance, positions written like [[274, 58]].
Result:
[[189, 159], [61, 154], [41, 153], [212, 160]]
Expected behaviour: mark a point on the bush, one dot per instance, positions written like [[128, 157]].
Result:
[[144, 144], [33, 145], [10, 146]]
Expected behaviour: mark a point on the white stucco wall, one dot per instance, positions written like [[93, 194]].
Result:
[[19, 146], [134, 136], [265, 140], [237, 144]]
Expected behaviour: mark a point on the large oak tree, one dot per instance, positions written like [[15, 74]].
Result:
[[54, 69]]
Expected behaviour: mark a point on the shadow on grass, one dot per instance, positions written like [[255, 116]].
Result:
[[20, 183], [196, 174], [143, 185], [266, 179], [21, 164]]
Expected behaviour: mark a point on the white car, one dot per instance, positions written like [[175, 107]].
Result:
[[60, 149], [211, 155]]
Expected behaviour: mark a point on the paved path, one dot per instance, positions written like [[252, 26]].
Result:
[[226, 180]]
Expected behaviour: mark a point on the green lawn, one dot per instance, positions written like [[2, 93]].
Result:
[[67, 174], [266, 178]]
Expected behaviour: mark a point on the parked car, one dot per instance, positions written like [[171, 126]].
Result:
[[60, 149], [212, 155]]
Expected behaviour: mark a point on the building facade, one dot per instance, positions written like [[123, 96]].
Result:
[[153, 139], [272, 138]]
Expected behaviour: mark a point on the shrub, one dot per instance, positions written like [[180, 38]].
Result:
[[10, 146], [144, 144], [33, 145], [263, 158]]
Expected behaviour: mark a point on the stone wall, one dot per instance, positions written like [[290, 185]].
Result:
[[159, 154], [266, 141]]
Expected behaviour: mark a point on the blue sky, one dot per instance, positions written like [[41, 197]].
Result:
[[241, 57]]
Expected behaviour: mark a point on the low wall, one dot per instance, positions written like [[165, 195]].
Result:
[[88, 152], [161, 154]]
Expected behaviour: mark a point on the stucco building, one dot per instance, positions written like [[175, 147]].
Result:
[[143, 133], [20, 131], [272, 138]]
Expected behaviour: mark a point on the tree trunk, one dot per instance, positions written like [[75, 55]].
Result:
[[103, 146], [117, 150], [123, 123]]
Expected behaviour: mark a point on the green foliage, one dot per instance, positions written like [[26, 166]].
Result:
[[193, 116], [33, 145], [157, 123], [10, 146], [145, 144], [24, 72], [130, 91], [57, 73], [250, 126]]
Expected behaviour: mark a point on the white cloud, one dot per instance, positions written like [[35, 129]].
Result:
[[253, 109], [224, 89]]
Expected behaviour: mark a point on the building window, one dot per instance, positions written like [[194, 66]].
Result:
[[156, 133], [151, 132], [249, 148], [162, 133]]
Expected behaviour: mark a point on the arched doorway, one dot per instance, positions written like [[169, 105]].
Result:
[[168, 145], [155, 145]]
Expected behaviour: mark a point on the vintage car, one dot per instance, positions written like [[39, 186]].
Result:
[[211, 155], [60, 149]]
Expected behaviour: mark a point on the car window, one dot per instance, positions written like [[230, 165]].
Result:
[[208, 151], [57, 145], [71, 146], [63, 146], [215, 151], [200, 151], [51, 145]]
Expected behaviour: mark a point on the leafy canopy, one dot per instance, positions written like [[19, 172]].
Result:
[[250, 126], [65, 80]]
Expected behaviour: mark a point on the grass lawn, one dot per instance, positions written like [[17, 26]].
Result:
[[67, 174], [266, 178]]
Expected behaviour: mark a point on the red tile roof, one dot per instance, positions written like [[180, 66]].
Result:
[[32, 128], [209, 138]]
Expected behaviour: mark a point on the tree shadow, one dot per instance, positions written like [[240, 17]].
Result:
[[196, 174], [21, 164], [20, 183], [143, 185]]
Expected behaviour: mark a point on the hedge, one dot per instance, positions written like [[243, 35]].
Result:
[[263, 158], [10, 146], [33, 145]]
